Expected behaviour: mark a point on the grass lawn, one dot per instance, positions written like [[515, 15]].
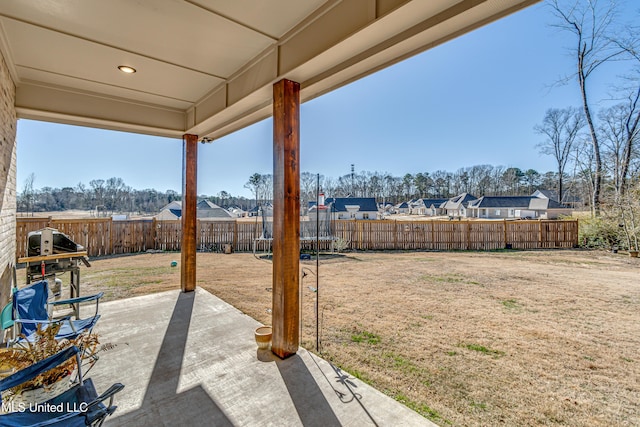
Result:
[[464, 338]]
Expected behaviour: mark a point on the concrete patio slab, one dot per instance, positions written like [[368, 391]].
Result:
[[190, 359]]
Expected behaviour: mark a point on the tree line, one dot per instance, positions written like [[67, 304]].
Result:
[[479, 180], [114, 196], [107, 197]]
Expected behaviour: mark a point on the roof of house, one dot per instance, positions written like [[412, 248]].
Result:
[[515, 202], [552, 195], [457, 201], [366, 204], [176, 204], [434, 202], [204, 209], [403, 205], [521, 202], [206, 204], [553, 204], [169, 214], [549, 194], [207, 209]]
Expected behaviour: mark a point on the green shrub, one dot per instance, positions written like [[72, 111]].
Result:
[[599, 232]]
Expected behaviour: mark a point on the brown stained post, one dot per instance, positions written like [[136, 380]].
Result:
[[286, 218], [189, 227]]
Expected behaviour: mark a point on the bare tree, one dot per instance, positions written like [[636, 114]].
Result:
[[266, 187], [421, 182], [408, 186], [620, 134], [512, 180], [254, 185], [308, 183], [28, 193], [392, 188], [441, 183], [591, 24], [628, 112], [561, 127], [329, 185], [531, 178], [98, 190]]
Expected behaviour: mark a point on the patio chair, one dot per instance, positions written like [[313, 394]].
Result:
[[30, 311], [6, 322], [78, 406]]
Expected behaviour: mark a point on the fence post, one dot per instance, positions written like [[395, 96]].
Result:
[[235, 235], [505, 232], [154, 233], [540, 234], [433, 235], [110, 225], [395, 235]]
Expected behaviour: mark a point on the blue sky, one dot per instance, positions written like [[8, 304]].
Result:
[[474, 100]]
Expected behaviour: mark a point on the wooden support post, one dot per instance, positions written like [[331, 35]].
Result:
[[189, 223], [286, 218]]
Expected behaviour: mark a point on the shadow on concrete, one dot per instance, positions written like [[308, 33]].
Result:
[[162, 404], [345, 380], [311, 405]]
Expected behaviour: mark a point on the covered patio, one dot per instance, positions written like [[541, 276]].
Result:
[[190, 359]]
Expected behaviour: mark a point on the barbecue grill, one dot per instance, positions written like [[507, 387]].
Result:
[[50, 252]]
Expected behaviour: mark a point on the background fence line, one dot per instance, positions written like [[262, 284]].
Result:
[[104, 236]]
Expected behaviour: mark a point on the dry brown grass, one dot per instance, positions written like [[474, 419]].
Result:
[[466, 338]]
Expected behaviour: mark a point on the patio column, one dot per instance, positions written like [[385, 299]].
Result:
[[189, 224], [286, 218]]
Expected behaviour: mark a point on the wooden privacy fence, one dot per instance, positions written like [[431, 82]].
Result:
[[458, 235], [103, 236]]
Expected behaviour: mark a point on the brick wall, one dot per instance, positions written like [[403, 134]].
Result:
[[7, 180]]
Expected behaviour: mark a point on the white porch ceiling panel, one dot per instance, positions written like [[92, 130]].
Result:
[[207, 66]]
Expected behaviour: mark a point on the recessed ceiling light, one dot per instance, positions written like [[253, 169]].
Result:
[[126, 69]]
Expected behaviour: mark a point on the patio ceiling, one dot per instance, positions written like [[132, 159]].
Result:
[[206, 67]]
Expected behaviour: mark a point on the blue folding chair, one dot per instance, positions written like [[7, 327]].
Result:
[[6, 321], [30, 312], [78, 406]]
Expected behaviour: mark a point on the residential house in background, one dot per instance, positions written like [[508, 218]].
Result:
[[237, 212], [457, 206], [548, 194], [568, 200], [204, 210], [353, 207], [209, 210], [265, 209], [402, 208], [519, 207], [539, 205], [429, 207], [171, 211]]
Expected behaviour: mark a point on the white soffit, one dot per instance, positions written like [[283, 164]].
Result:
[[207, 66]]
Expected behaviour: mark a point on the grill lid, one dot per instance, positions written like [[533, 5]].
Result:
[[49, 241]]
